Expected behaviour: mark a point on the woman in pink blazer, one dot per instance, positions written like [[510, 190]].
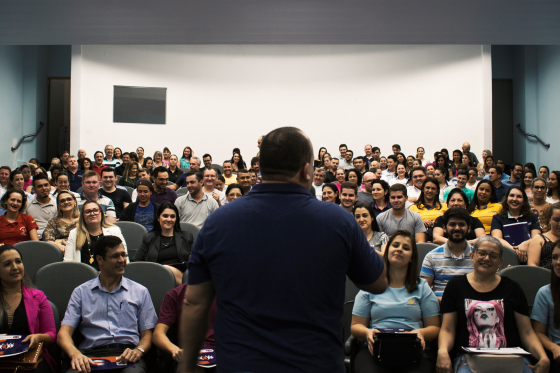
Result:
[[24, 309]]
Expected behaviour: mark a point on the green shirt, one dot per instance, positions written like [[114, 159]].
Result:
[[467, 191]]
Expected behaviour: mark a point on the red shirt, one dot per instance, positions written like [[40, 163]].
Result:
[[12, 233], [98, 169], [170, 313]]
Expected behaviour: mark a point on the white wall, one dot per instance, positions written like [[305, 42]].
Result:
[[225, 96]]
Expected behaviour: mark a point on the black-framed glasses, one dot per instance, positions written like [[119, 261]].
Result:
[[481, 254]]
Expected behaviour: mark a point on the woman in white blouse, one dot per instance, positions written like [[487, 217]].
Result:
[[91, 226]]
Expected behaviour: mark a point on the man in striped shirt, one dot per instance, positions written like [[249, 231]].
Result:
[[451, 259]]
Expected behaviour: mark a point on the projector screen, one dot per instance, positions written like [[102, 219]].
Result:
[[221, 97]]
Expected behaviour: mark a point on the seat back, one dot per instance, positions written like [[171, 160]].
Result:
[[510, 258], [182, 192], [133, 234], [37, 254], [58, 281], [188, 227], [423, 249], [185, 170], [530, 278], [119, 177], [185, 276], [218, 167], [157, 278], [129, 190], [351, 291], [80, 190]]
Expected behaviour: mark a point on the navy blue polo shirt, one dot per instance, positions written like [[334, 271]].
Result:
[[515, 230], [75, 180], [501, 192], [280, 289]]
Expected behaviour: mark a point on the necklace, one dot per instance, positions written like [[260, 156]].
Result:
[[168, 243], [9, 306]]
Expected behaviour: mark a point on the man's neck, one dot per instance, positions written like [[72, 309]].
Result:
[[461, 187], [246, 189], [98, 165], [513, 179], [72, 169], [209, 188], [91, 196], [497, 183], [143, 204], [109, 190], [198, 195], [108, 158], [457, 248], [318, 185], [391, 170], [44, 200], [349, 209], [4, 184], [158, 190], [398, 213], [109, 283], [228, 176]]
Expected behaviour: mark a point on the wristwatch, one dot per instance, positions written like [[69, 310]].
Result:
[[141, 350]]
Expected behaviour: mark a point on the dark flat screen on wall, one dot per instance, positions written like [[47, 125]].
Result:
[[139, 105]]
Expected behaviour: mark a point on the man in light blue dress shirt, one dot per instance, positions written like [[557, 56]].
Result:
[[115, 315]]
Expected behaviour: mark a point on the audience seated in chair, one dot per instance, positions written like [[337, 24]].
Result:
[[363, 212], [195, 206], [541, 245], [166, 244], [143, 211], [428, 206], [484, 204], [42, 208], [15, 226], [58, 228], [408, 299], [92, 225], [125, 331], [24, 309]]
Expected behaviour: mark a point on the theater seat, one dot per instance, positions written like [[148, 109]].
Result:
[[182, 192], [530, 278], [129, 190], [423, 249], [188, 227], [510, 258], [157, 278], [37, 254], [80, 190], [133, 234], [58, 281], [185, 276]]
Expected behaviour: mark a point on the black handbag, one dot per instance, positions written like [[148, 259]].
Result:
[[397, 349]]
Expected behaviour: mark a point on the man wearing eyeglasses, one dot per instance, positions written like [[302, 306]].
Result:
[[452, 258], [365, 195], [116, 316]]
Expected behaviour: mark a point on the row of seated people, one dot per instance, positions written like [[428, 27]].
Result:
[[527, 227], [496, 314], [458, 299]]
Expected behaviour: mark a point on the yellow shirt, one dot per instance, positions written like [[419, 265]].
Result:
[[431, 214], [486, 214], [230, 180]]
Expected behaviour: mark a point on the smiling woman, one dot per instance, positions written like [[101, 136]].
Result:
[[15, 226]]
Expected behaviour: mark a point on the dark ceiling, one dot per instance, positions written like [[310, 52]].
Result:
[[39, 22]]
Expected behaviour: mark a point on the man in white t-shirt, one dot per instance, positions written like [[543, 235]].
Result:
[[318, 182], [210, 176]]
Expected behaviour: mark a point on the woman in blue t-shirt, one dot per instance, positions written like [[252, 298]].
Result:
[[545, 316], [408, 303]]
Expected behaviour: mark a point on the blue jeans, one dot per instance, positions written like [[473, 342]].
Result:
[[465, 368]]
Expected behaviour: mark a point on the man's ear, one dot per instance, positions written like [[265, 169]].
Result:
[[305, 175]]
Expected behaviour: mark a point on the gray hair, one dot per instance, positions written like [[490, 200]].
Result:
[[319, 169], [490, 239], [72, 156], [197, 160]]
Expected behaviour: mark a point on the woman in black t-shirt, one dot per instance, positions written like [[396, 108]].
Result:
[[482, 309]]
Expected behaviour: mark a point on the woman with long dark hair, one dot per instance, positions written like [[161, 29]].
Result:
[[363, 212], [24, 309], [167, 244], [418, 308], [531, 166], [515, 224], [237, 162], [420, 155], [553, 194], [525, 183], [441, 162], [484, 204], [318, 162], [545, 316], [457, 156], [331, 193], [484, 310], [540, 247], [86, 164], [380, 193], [186, 158], [354, 176]]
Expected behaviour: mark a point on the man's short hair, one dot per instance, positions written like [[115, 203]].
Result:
[[207, 155], [196, 159], [198, 175], [393, 157], [125, 153], [61, 173], [463, 167], [396, 146], [498, 169], [6, 168], [90, 173], [159, 170], [210, 169], [64, 152], [99, 151], [227, 161], [222, 178], [254, 161], [464, 173], [359, 157], [515, 165], [375, 148], [40, 176], [398, 188], [72, 157], [284, 151], [349, 151], [418, 169], [107, 169], [243, 171], [105, 148], [104, 243], [349, 185], [251, 171], [342, 146], [457, 213], [319, 169]]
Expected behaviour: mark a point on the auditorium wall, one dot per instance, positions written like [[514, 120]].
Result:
[[225, 96]]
